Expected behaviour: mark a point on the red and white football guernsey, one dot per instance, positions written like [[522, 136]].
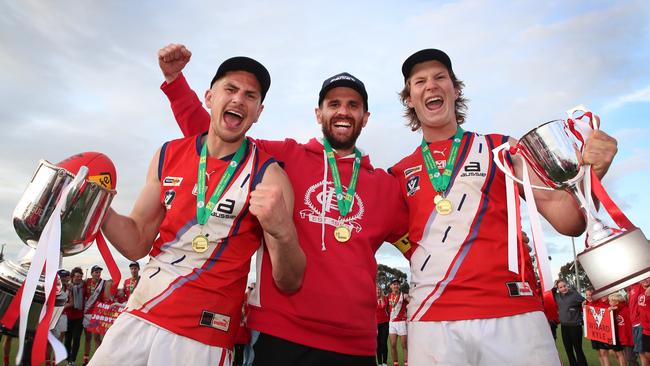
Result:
[[335, 309], [129, 286], [397, 307], [192, 294], [459, 267]]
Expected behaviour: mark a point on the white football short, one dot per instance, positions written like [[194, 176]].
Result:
[[133, 341], [521, 340], [398, 328]]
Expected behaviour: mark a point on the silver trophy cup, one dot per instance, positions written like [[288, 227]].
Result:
[[614, 259], [86, 205]]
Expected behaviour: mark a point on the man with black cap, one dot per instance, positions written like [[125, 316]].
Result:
[[345, 211], [93, 292], [200, 231], [132, 282], [467, 307]]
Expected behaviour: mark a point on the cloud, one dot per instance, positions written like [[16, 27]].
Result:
[[638, 96]]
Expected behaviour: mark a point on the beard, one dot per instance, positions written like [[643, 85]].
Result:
[[338, 143]]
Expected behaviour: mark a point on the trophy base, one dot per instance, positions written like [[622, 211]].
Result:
[[618, 262]]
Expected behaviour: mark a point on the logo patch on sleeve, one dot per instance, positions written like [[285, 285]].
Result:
[[214, 320], [516, 289], [412, 185], [412, 170], [172, 181]]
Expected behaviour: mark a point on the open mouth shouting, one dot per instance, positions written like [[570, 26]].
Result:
[[433, 103], [232, 118]]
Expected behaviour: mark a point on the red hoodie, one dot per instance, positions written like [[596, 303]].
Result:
[[623, 324], [335, 309]]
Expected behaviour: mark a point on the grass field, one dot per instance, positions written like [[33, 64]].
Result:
[[592, 357]]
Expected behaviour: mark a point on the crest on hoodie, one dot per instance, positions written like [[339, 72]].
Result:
[[323, 207]]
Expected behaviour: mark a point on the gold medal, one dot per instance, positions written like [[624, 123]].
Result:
[[444, 206], [200, 243], [437, 199], [342, 233]]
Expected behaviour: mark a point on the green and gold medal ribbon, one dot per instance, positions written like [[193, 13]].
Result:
[[344, 201], [439, 181], [203, 210]]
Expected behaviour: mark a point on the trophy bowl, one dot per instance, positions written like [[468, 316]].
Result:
[[12, 276], [81, 218]]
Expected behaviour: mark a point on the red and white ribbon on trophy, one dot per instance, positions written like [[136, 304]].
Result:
[[48, 256]]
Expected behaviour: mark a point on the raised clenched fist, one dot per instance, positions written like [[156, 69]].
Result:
[[172, 60]]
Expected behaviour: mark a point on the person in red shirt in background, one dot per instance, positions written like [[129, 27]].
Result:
[[631, 353], [550, 310], [93, 292], [623, 326], [644, 312], [75, 314], [131, 283], [397, 327], [382, 328], [600, 347]]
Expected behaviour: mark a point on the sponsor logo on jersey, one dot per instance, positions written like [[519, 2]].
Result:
[[323, 207], [412, 185], [172, 181], [169, 197], [412, 170], [215, 320], [516, 289], [224, 209], [472, 169]]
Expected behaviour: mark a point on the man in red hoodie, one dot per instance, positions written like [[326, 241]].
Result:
[[345, 209]]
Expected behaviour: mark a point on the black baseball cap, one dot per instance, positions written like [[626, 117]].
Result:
[[343, 79], [429, 54], [96, 268], [243, 63], [63, 273], [134, 264]]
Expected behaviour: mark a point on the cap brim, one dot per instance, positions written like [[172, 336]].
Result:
[[429, 54]]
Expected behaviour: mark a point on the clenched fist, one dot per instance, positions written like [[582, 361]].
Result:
[[268, 205], [172, 60]]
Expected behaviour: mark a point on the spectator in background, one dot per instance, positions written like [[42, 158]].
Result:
[[569, 305], [397, 326], [623, 327], [600, 347], [6, 349], [550, 309], [633, 293], [644, 312], [61, 325], [131, 283], [382, 328], [75, 315], [249, 353], [93, 292]]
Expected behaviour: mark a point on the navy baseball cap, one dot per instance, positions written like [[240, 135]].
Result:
[[429, 54], [63, 273], [343, 79], [134, 264], [243, 63], [96, 268]]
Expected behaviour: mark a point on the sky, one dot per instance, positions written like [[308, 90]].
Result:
[[83, 76]]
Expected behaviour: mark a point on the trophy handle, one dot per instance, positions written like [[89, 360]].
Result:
[[496, 151], [577, 126], [78, 186]]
